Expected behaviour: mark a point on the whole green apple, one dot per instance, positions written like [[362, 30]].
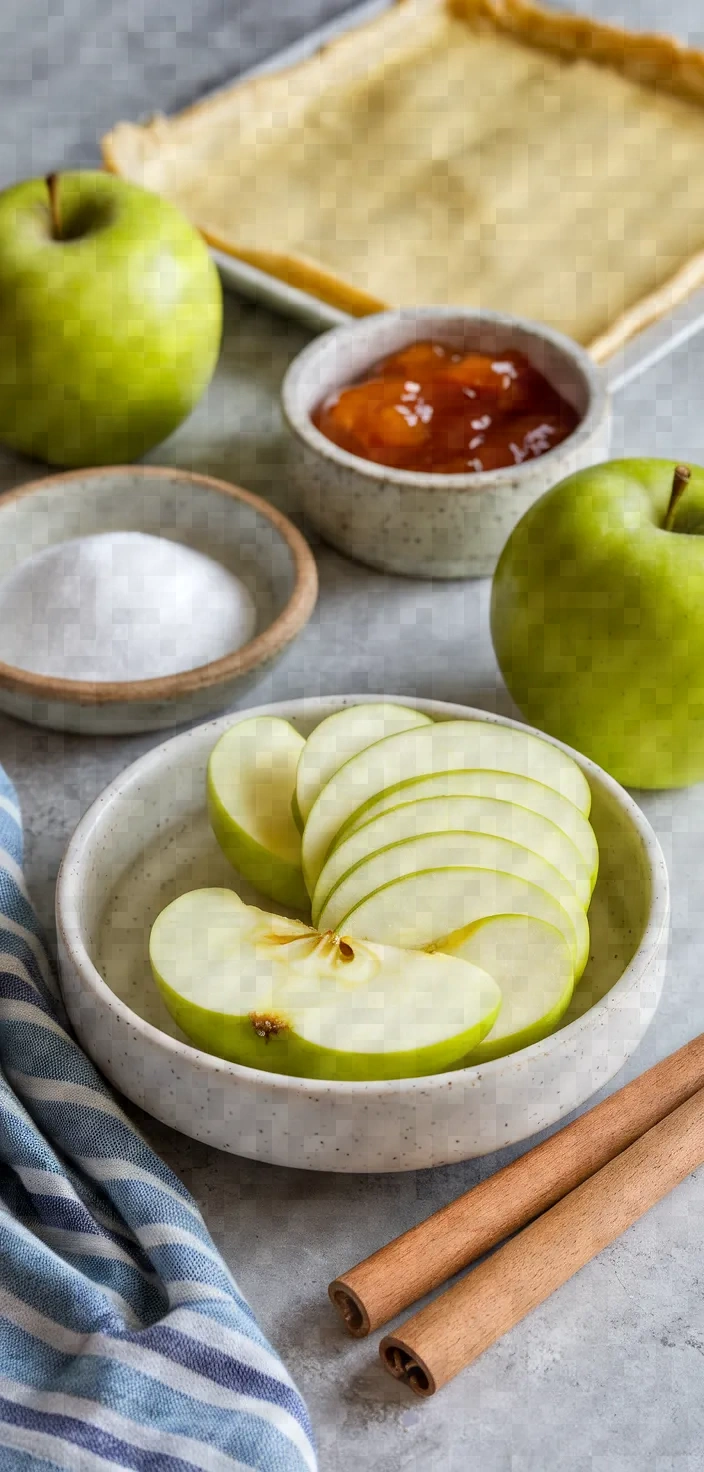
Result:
[[597, 618], [110, 319]]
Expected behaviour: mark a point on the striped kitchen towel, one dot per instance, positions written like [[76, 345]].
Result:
[[124, 1340]]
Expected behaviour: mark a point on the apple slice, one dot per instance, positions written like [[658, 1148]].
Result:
[[477, 852], [441, 747], [296, 813], [251, 777], [460, 814], [505, 787], [533, 967], [340, 737], [418, 909], [272, 993]]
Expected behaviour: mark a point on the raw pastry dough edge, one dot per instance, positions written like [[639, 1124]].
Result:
[[646, 57]]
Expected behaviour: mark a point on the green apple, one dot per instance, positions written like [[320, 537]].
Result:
[[504, 787], [272, 993], [340, 737], [532, 965], [251, 776], [597, 617], [440, 747], [418, 909], [470, 854], [110, 319], [468, 815]]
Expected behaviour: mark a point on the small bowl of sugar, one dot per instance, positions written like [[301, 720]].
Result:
[[134, 598]]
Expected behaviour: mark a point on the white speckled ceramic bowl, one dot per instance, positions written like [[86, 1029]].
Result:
[[147, 840], [236, 528], [435, 526]]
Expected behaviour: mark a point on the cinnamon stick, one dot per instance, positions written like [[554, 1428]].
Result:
[[403, 1271], [430, 1348]]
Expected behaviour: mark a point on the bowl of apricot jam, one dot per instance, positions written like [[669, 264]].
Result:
[[421, 436]]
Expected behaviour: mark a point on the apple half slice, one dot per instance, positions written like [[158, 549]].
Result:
[[340, 737], [532, 965], [471, 852], [505, 787], [462, 814], [441, 747], [272, 993], [250, 782], [419, 909]]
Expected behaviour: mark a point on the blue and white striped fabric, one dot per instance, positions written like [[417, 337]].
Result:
[[124, 1341]]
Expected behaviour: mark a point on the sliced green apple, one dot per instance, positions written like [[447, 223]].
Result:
[[472, 852], [532, 965], [251, 778], [441, 747], [505, 786], [419, 909], [272, 993], [461, 814], [296, 813], [340, 737]]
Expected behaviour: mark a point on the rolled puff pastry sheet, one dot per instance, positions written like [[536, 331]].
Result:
[[480, 153]]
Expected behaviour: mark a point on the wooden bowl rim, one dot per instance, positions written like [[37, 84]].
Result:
[[249, 656]]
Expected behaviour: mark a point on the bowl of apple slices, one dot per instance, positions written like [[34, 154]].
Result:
[[362, 933]]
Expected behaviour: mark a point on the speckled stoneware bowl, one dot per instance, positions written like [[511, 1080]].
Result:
[[236, 528], [147, 840], [435, 526]]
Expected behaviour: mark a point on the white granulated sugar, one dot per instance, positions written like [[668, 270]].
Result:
[[121, 606]]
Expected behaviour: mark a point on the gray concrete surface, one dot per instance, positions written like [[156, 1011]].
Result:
[[608, 1375]]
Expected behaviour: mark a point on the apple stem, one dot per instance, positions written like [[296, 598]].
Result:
[[52, 184], [680, 481]]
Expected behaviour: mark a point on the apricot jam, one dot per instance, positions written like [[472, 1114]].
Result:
[[433, 409]]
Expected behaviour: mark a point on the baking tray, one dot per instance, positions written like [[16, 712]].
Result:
[[638, 355]]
